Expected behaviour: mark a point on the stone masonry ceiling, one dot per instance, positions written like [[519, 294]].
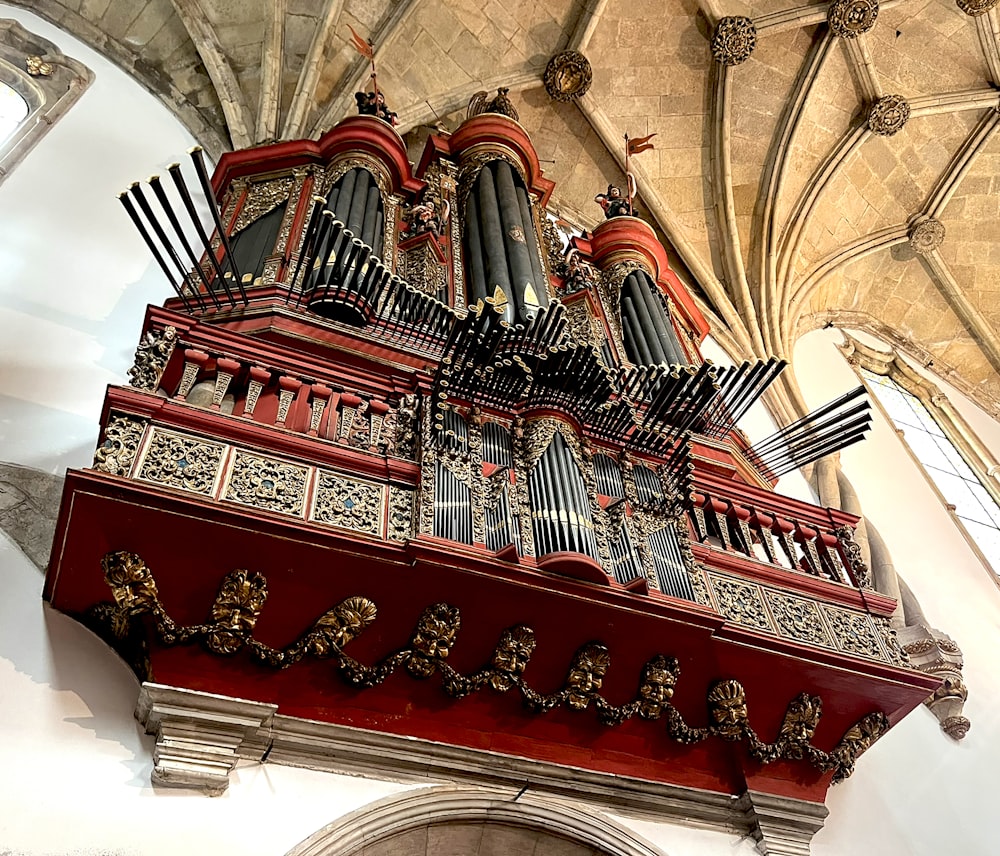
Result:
[[828, 163]]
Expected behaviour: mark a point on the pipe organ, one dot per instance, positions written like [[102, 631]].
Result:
[[647, 330], [383, 388], [500, 243]]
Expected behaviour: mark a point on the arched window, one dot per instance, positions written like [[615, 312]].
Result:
[[960, 467], [13, 111], [38, 84]]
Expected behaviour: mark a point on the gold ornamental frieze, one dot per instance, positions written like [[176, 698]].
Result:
[[238, 476], [242, 594], [181, 461], [122, 438], [805, 620], [263, 482], [348, 503]]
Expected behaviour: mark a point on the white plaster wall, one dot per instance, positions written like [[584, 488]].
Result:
[[76, 274], [76, 280], [916, 791]]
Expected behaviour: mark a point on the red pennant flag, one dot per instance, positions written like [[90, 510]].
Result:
[[640, 144], [360, 45]]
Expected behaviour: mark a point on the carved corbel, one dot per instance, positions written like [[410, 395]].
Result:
[[936, 653]]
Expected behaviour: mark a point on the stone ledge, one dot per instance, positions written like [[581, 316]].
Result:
[[201, 736]]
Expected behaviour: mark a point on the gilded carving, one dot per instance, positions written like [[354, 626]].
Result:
[[37, 67], [511, 656], [888, 115], [734, 39], [801, 719], [327, 637], [854, 633], [357, 160], [890, 642], [856, 741], [740, 602], [727, 710], [242, 595], [500, 103], [270, 271], [798, 619], [659, 677], [853, 556], [121, 444], [262, 197], [182, 462], [567, 76], [342, 624], [235, 611], [433, 639], [974, 8], [151, 358], [348, 503], [400, 513], [553, 243], [132, 586], [852, 18], [266, 483], [421, 268], [400, 427], [590, 664], [926, 236]]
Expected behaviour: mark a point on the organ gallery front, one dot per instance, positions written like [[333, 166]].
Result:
[[402, 459]]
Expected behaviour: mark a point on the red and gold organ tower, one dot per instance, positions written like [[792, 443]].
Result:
[[398, 460]]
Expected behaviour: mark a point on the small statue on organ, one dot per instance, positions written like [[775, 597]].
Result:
[[614, 204], [373, 104], [425, 218]]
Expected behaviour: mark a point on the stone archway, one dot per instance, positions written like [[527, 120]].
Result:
[[468, 822]]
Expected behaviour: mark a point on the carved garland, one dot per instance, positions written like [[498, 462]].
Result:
[[242, 595]]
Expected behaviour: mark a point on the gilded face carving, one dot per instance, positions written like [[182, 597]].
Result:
[[340, 625], [727, 709], [659, 676], [132, 584], [235, 611], [801, 718], [433, 638], [586, 674], [511, 656]]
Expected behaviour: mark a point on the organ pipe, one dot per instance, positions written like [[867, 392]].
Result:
[[647, 330], [501, 245]]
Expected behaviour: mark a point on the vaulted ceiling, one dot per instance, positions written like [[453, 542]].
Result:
[[794, 188]]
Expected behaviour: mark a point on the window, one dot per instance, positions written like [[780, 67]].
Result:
[[953, 459], [38, 84], [13, 111]]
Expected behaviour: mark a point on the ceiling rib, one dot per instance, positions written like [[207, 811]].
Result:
[[271, 61], [305, 86], [234, 106], [357, 73]]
